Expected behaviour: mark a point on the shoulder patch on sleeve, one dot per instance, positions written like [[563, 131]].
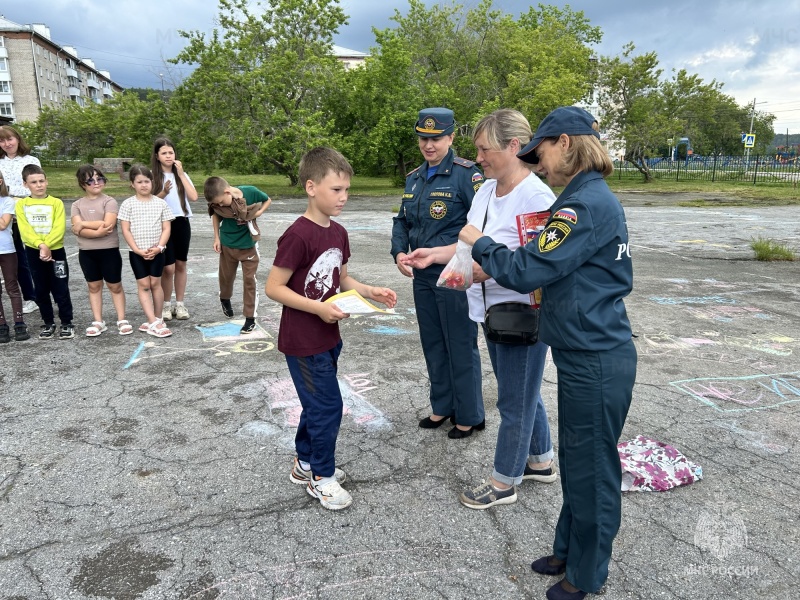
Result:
[[566, 214], [463, 162], [551, 238]]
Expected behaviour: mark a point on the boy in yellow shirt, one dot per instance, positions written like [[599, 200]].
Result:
[[42, 223]]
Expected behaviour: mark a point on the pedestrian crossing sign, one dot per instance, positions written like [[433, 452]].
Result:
[[749, 140]]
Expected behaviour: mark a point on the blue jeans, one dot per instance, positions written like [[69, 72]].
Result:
[[524, 432], [317, 388]]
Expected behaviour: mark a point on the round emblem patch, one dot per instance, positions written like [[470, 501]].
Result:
[[430, 123], [551, 238], [438, 209]]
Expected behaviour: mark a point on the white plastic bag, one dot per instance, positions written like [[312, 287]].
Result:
[[457, 274]]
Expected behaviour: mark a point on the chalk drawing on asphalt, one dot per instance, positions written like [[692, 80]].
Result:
[[741, 394], [322, 576], [222, 338], [754, 438], [284, 407]]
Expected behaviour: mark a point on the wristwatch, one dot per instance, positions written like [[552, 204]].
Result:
[[162, 248]]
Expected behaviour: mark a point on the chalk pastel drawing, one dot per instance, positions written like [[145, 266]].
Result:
[[284, 407], [726, 313], [369, 574], [754, 438], [768, 343], [223, 338], [383, 330], [739, 394], [692, 300], [284, 401]]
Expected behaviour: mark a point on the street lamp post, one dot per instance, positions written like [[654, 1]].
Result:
[[162, 90]]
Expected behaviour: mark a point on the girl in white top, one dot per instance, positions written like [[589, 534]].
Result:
[[145, 223], [172, 184], [14, 155], [8, 268]]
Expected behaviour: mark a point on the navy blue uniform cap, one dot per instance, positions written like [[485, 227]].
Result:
[[433, 122], [565, 119]]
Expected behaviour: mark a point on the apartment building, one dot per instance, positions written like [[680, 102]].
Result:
[[36, 72], [350, 58]]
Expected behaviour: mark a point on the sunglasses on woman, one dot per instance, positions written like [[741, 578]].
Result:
[[96, 180]]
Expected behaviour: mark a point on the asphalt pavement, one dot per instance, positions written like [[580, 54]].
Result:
[[134, 467]]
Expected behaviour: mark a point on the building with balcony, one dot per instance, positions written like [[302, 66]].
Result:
[[36, 72]]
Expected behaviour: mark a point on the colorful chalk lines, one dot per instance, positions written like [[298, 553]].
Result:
[[714, 302], [222, 338], [741, 394], [284, 407]]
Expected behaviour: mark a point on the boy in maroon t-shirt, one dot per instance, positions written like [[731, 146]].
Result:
[[310, 266]]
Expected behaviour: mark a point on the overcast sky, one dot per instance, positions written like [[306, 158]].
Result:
[[754, 48]]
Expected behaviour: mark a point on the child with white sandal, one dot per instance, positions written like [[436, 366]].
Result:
[[94, 223], [145, 222]]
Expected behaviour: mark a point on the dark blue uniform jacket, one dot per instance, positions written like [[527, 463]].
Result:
[[582, 263], [434, 211]]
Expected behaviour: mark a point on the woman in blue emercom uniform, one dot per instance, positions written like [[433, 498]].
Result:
[[582, 263], [436, 200]]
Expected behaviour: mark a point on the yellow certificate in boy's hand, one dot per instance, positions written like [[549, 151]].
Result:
[[353, 303]]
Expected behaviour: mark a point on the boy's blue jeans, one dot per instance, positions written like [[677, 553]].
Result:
[[317, 388], [524, 431]]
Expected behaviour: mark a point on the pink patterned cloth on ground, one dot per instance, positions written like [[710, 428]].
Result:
[[652, 466]]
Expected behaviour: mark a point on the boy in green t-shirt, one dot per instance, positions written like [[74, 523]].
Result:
[[235, 242]]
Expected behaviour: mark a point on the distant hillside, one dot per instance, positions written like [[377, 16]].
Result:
[[780, 140]]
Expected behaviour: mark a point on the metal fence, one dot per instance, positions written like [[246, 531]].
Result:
[[734, 169]]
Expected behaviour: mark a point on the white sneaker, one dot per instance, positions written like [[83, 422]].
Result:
[[166, 313], [29, 306], [300, 476], [332, 495], [180, 312]]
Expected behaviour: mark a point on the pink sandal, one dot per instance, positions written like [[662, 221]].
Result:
[[159, 329]]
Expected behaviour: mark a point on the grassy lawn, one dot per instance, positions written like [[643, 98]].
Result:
[[63, 185]]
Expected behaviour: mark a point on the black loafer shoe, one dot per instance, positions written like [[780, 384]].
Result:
[[546, 567], [457, 434], [428, 423], [557, 592]]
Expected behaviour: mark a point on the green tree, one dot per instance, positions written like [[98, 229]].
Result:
[[255, 101], [635, 109], [472, 61], [121, 126]]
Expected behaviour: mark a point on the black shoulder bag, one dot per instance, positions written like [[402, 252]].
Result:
[[510, 322]]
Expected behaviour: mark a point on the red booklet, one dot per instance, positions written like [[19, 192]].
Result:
[[529, 225]]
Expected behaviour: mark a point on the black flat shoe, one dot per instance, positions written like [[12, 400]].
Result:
[[428, 423], [457, 434], [546, 566], [557, 592]]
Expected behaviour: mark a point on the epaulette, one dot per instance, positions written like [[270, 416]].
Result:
[[463, 162], [412, 172]]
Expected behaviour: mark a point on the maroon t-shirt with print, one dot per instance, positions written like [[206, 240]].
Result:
[[315, 255]]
